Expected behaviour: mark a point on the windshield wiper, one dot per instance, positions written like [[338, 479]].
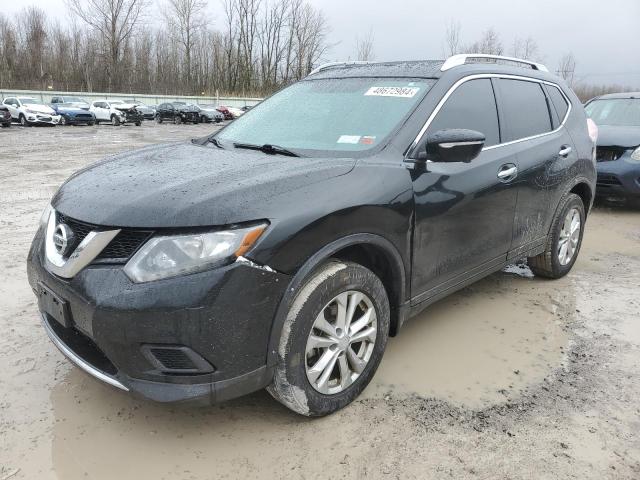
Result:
[[268, 148], [215, 141]]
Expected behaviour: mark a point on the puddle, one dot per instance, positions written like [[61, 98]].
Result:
[[475, 347]]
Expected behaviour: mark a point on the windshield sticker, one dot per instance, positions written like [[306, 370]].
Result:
[[353, 139], [402, 92], [368, 140]]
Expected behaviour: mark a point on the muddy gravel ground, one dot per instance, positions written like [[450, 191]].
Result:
[[513, 377]]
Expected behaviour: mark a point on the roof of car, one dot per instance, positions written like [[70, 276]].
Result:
[[431, 68], [619, 95]]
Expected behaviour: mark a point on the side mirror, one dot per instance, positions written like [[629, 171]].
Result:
[[452, 145]]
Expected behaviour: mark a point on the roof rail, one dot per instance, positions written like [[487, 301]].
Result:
[[337, 64], [461, 59]]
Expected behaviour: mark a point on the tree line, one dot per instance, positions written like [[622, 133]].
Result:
[[171, 47], [163, 46]]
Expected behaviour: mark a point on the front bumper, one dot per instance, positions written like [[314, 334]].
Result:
[[73, 119], [619, 178], [42, 118], [223, 315]]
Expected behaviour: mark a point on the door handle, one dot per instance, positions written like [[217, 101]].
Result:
[[565, 150], [507, 172]]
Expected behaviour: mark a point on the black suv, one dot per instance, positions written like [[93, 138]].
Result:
[[283, 250], [177, 112]]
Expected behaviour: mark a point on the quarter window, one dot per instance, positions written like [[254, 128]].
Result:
[[525, 109], [471, 106], [559, 102]]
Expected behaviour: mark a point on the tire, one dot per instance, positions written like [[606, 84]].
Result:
[[292, 385], [158, 119], [23, 121], [203, 119], [138, 124], [115, 121], [552, 263], [177, 120], [90, 124]]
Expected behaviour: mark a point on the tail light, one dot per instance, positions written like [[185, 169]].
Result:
[[593, 130]]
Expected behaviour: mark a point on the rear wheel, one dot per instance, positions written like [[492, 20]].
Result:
[[333, 339], [564, 241]]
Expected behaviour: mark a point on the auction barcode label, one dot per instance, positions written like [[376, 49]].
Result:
[[404, 92]]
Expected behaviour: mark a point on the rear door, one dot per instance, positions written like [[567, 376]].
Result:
[[545, 151], [463, 211]]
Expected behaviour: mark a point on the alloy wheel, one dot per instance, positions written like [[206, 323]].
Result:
[[569, 236], [341, 342]]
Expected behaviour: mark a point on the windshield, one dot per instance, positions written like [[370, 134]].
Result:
[[28, 100], [117, 102], [73, 100], [621, 112], [329, 115]]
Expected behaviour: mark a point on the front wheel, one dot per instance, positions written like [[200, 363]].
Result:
[[564, 240], [115, 121], [63, 120], [23, 121], [177, 120], [158, 119], [138, 124], [332, 340]]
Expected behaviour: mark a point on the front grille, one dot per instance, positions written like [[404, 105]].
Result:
[[84, 116], [606, 180], [125, 244], [121, 248], [609, 154]]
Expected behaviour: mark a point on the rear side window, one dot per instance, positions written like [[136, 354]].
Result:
[[471, 106], [559, 102], [525, 109]]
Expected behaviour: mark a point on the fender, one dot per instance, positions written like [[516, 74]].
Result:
[[318, 258]]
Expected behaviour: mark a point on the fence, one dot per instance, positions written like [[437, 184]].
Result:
[[45, 97]]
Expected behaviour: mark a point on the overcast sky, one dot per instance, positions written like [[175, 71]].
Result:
[[604, 35]]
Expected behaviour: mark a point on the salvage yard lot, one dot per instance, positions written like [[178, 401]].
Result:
[[513, 377]]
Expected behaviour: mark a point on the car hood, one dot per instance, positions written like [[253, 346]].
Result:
[[71, 109], [613, 136], [124, 106], [40, 108], [188, 185]]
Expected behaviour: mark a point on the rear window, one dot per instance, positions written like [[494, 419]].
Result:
[[525, 109], [559, 102], [620, 112]]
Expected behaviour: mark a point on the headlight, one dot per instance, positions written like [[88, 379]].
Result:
[[28, 110], [170, 256], [635, 156]]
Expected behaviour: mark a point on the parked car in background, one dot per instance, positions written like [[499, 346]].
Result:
[[177, 112], [5, 116], [73, 101], [211, 275], [236, 112], [116, 112], [617, 116], [29, 111], [148, 112], [246, 108], [72, 115], [208, 113], [225, 111]]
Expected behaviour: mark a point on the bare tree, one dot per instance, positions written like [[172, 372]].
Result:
[[184, 19], [452, 40], [526, 48], [114, 21], [567, 68], [488, 43], [364, 48]]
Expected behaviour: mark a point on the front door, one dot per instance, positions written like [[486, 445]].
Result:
[[464, 212]]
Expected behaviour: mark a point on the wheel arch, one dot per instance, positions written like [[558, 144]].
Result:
[[583, 190], [369, 250]]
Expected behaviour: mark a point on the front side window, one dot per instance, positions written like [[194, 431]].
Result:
[[471, 106], [329, 116], [621, 112], [525, 109]]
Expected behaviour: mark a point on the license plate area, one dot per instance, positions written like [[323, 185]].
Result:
[[53, 305]]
